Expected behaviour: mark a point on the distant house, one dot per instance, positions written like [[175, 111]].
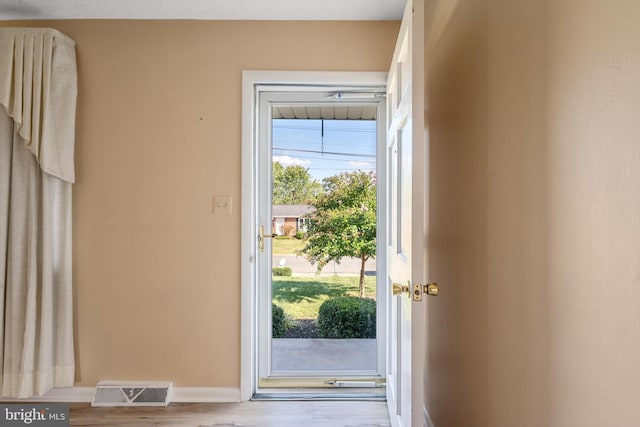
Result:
[[289, 219]]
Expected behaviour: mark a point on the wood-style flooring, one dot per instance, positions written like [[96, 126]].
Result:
[[258, 413]]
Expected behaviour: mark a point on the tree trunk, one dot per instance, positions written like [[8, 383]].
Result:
[[363, 259]]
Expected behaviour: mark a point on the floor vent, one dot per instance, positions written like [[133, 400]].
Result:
[[113, 393]]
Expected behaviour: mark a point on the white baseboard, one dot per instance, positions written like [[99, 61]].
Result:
[[179, 394]]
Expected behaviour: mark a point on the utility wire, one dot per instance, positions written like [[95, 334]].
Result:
[[294, 140], [331, 160], [325, 129], [325, 152]]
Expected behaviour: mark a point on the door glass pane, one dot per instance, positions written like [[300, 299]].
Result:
[[324, 308]]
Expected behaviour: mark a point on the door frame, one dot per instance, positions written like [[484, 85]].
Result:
[[284, 80]]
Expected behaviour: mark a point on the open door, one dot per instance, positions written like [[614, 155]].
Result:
[[406, 234]]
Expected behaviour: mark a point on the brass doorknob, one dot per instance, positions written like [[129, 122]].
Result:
[[398, 289], [432, 289]]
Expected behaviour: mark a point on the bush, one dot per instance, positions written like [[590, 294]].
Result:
[[278, 322], [300, 235], [347, 317], [281, 271], [289, 230]]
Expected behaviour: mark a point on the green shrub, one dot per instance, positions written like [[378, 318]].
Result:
[[300, 235], [278, 323], [281, 271], [347, 317]]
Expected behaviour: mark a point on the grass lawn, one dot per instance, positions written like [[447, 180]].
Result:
[[301, 297], [287, 246]]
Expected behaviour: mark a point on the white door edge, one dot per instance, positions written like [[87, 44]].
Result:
[[251, 79], [420, 212]]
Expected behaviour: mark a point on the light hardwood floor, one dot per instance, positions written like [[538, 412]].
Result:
[[259, 413]]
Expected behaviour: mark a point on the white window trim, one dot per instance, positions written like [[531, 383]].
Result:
[[283, 80]]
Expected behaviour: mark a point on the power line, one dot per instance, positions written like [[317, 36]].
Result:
[[326, 129], [373, 162], [333, 141], [338, 129], [325, 152]]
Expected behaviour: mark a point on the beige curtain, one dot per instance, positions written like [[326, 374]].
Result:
[[37, 121]]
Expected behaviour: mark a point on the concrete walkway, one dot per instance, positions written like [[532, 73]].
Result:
[[321, 354]]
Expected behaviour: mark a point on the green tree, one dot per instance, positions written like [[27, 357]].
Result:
[[293, 185], [344, 221]]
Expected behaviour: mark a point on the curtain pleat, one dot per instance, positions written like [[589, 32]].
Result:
[[38, 89], [6, 159]]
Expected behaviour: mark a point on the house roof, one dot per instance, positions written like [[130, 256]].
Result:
[[291, 211]]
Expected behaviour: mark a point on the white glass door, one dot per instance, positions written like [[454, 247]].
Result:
[[321, 325]]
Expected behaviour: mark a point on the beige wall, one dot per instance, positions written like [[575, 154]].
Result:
[[534, 200], [535, 212], [157, 275], [594, 223]]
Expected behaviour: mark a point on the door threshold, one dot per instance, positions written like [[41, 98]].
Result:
[[365, 394]]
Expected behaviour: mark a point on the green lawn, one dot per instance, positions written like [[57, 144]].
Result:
[[301, 297], [287, 246]]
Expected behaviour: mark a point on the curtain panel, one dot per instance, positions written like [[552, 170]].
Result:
[[38, 90]]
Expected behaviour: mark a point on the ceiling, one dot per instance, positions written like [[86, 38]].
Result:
[[352, 10], [326, 112]]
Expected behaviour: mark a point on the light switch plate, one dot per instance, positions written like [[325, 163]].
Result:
[[222, 204]]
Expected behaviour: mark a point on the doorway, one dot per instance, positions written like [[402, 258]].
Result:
[[302, 127]]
